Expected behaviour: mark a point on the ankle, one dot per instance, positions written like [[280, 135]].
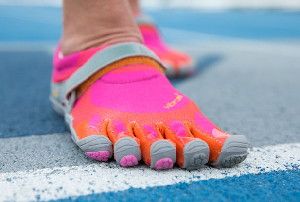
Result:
[[135, 7], [96, 23], [78, 43]]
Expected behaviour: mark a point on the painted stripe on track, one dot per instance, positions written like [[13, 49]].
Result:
[[62, 182], [270, 186]]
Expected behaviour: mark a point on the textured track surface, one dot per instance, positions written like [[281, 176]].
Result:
[[62, 182], [247, 81], [249, 186]]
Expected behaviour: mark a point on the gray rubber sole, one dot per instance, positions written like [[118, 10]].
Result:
[[162, 149], [234, 151], [94, 143], [196, 154], [126, 146]]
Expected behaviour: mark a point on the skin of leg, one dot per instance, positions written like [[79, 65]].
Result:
[[89, 24], [135, 7]]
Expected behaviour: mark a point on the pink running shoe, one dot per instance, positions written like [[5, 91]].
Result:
[[118, 103]]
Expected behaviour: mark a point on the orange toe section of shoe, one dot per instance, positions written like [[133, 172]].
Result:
[[138, 101]]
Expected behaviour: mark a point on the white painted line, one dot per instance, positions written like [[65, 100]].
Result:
[[63, 182]]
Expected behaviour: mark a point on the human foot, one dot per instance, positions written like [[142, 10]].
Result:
[[117, 100], [177, 63]]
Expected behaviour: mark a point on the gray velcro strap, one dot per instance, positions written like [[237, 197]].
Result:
[[103, 58]]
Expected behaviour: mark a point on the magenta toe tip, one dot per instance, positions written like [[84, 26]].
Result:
[[98, 155], [163, 164], [129, 161]]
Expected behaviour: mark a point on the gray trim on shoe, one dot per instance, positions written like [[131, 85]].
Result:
[[234, 151], [196, 154], [65, 90], [94, 143], [65, 97], [162, 149], [126, 146]]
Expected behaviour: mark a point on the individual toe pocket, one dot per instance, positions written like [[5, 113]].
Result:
[[196, 154], [97, 147], [234, 151], [225, 150], [126, 147], [191, 152], [91, 139], [157, 152], [127, 152], [163, 155]]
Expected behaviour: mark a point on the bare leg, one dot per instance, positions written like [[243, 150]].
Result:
[[88, 24], [135, 7]]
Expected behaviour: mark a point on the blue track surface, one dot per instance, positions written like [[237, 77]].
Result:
[[259, 24], [24, 78], [25, 108], [284, 186], [41, 24], [44, 24], [29, 24]]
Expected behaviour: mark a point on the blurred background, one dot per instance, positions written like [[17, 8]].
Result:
[[247, 55], [36, 21], [230, 40]]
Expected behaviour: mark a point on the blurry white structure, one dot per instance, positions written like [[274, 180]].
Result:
[[225, 4], [197, 4]]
